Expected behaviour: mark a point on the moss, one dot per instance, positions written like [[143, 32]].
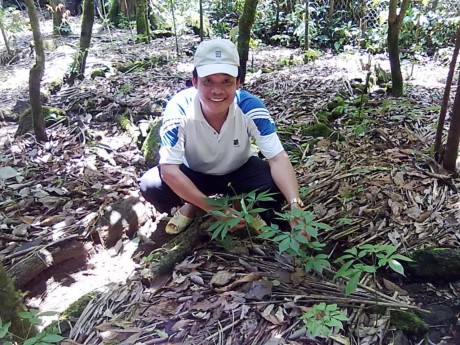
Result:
[[11, 305], [76, 308], [151, 146], [407, 322], [317, 130], [335, 102], [140, 65], [51, 115], [125, 121], [55, 86], [324, 117], [97, 73]]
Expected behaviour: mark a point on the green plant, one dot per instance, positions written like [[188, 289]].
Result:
[[297, 242], [229, 217], [322, 317], [45, 337], [367, 259]]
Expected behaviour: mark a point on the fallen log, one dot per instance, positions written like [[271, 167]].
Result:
[[36, 262], [177, 250]]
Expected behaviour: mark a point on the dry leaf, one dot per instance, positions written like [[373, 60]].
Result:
[[258, 289], [247, 278], [221, 278]]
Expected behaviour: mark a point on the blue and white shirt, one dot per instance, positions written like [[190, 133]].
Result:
[[186, 136]]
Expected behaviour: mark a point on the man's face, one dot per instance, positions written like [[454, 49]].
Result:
[[216, 93]]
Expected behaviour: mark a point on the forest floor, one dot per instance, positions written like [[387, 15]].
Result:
[[377, 185]]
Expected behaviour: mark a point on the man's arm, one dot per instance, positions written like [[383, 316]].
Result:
[[284, 176], [183, 186]]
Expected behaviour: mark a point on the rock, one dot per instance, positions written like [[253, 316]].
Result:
[[435, 264], [440, 315]]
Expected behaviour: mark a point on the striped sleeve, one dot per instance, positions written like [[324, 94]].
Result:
[[261, 125], [172, 129]]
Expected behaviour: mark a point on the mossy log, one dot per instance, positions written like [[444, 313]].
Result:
[[31, 265], [10, 306], [435, 264], [51, 115], [408, 322], [183, 245], [178, 249], [151, 146]]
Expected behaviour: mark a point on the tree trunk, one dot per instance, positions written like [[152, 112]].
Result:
[[330, 12], [244, 26], [453, 138], [114, 13], [5, 36], [201, 21], [277, 18], [77, 70], [307, 29], [445, 100], [11, 305], [36, 75], [142, 22], [173, 13], [394, 27]]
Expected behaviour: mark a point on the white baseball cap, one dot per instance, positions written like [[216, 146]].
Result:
[[217, 56]]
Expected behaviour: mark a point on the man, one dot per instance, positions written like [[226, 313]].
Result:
[[206, 143]]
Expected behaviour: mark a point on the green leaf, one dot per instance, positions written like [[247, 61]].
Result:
[[344, 257], [284, 245], [369, 269], [334, 323], [401, 257], [52, 338], [352, 283], [321, 226], [25, 315], [31, 341], [48, 313], [280, 237], [295, 246], [300, 238], [396, 266], [344, 270], [4, 329], [267, 234]]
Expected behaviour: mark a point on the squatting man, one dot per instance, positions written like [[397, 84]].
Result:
[[206, 144]]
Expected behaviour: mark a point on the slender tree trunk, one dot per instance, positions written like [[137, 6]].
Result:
[[36, 75], [277, 17], [453, 138], [244, 26], [114, 13], [11, 305], [201, 21], [394, 27], [307, 27], [330, 12], [77, 71], [174, 25], [5, 36], [445, 100], [142, 22]]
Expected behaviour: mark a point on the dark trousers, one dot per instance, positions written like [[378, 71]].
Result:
[[253, 175]]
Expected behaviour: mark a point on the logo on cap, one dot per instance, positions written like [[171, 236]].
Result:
[[218, 54]]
